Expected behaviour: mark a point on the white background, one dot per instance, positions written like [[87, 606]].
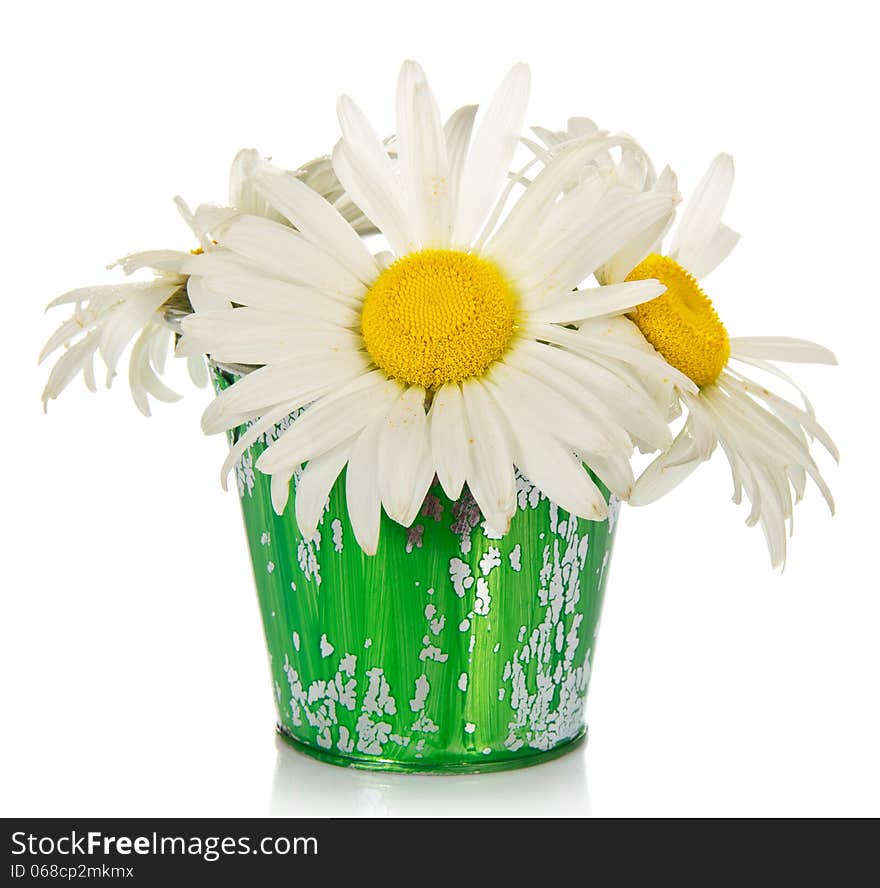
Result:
[[131, 659]]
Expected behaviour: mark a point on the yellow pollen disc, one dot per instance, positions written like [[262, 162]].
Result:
[[438, 316], [681, 323]]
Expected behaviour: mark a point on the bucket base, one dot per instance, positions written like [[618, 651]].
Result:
[[375, 763]]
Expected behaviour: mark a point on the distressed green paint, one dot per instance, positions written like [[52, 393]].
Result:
[[449, 650]]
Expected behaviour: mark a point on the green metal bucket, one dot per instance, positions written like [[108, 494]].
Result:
[[450, 650]]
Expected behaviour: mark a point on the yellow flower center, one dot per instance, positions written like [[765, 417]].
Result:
[[438, 316], [681, 323]]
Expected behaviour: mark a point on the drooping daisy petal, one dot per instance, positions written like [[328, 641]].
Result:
[[552, 411], [490, 154], [490, 479], [668, 470], [422, 158], [767, 367], [164, 261], [254, 432], [785, 410], [362, 487], [589, 340], [404, 449], [279, 490], [548, 463], [143, 379], [67, 331], [614, 470], [314, 486], [72, 362], [101, 296], [449, 439], [625, 404], [198, 371], [330, 421], [129, 318], [298, 380], [765, 431]]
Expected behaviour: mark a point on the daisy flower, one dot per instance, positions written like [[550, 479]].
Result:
[[451, 353], [765, 437], [107, 318]]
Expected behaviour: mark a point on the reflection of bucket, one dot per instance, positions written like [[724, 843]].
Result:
[[450, 650]]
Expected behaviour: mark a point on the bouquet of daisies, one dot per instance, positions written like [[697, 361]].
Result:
[[430, 314]]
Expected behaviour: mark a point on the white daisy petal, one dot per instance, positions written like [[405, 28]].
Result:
[[649, 241], [287, 254], [67, 331], [330, 421], [362, 487], [128, 319], [161, 261], [252, 433], [243, 192], [293, 300], [579, 253], [74, 360], [594, 303], [555, 411], [458, 137], [362, 164], [549, 464], [279, 490], [765, 432], [786, 410], [317, 220], [589, 341], [517, 234], [249, 336], [702, 215], [667, 471], [143, 379], [767, 367], [781, 348], [606, 393], [314, 486], [715, 252], [198, 371], [403, 447], [449, 439], [422, 158], [613, 469], [203, 297], [490, 154], [298, 380], [490, 479], [219, 262]]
